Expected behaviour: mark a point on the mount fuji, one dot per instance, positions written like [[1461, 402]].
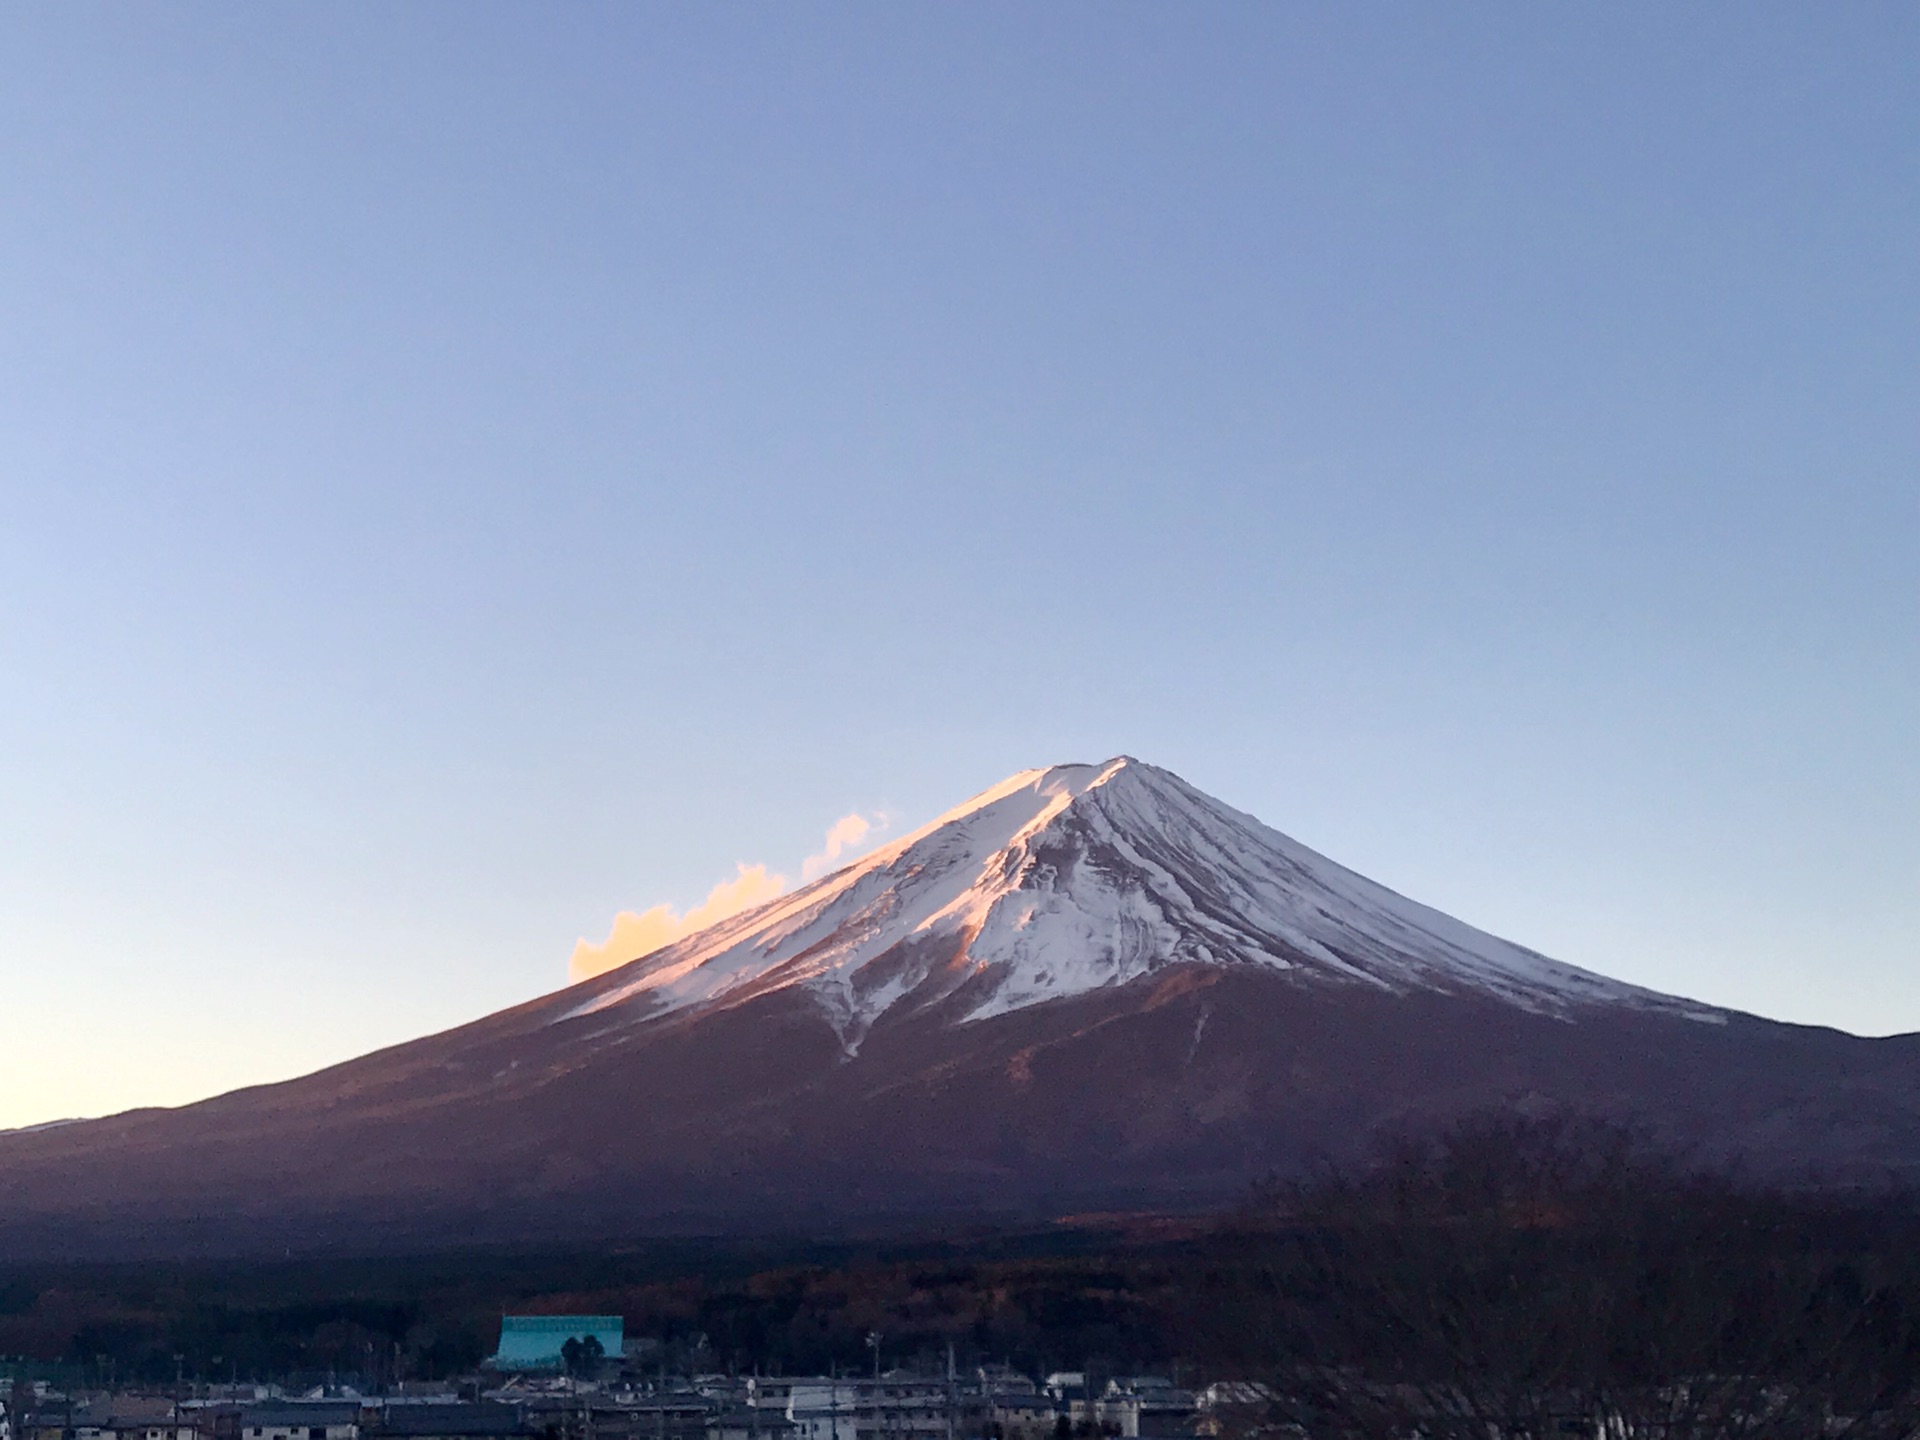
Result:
[[1059, 882], [1091, 987]]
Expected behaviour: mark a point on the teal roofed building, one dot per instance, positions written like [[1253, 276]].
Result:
[[533, 1342]]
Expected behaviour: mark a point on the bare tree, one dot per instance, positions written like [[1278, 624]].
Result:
[[1521, 1280]]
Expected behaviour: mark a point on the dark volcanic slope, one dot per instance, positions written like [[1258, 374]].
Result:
[[899, 1082], [1175, 1091]]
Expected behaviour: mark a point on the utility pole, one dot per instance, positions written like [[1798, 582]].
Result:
[[882, 1419]]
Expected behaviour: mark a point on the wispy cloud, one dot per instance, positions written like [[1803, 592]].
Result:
[[636, 935], [845, 834]]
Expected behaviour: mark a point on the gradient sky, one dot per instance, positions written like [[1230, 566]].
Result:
[[467, 470]]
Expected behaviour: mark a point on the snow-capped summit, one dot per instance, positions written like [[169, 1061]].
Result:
[[1060, 881]]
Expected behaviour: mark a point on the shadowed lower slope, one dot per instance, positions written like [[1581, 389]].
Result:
[[1171, 1092]]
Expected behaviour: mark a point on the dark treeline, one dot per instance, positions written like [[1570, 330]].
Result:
[[1056, 1297], [1539, 1278]]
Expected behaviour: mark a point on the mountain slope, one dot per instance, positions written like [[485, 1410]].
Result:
[[1060, 881], [1091, 987]]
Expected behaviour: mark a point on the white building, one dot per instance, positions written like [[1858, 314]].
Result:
[[297, 1421]]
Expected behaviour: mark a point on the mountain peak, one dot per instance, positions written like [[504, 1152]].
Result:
[[1056, 785], [1075, 877]]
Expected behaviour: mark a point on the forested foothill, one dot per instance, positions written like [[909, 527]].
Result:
[[1510, 1277]]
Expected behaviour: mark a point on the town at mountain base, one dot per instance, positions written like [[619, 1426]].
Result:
[[1091, 988]]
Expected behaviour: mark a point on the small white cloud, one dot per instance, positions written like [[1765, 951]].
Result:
[[636, 935], [845, 834]]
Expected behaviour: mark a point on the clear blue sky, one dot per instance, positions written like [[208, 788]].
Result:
[[469, 469]]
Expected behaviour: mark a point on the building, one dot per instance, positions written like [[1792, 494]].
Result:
[[895, 1406], [751, 1423], [481, 1420], [130, 1417], [538, 1342], [301, 1420], [111, 1417], [1023, 1414], [820, 1409], [1148, 1407], [670, 1415]]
